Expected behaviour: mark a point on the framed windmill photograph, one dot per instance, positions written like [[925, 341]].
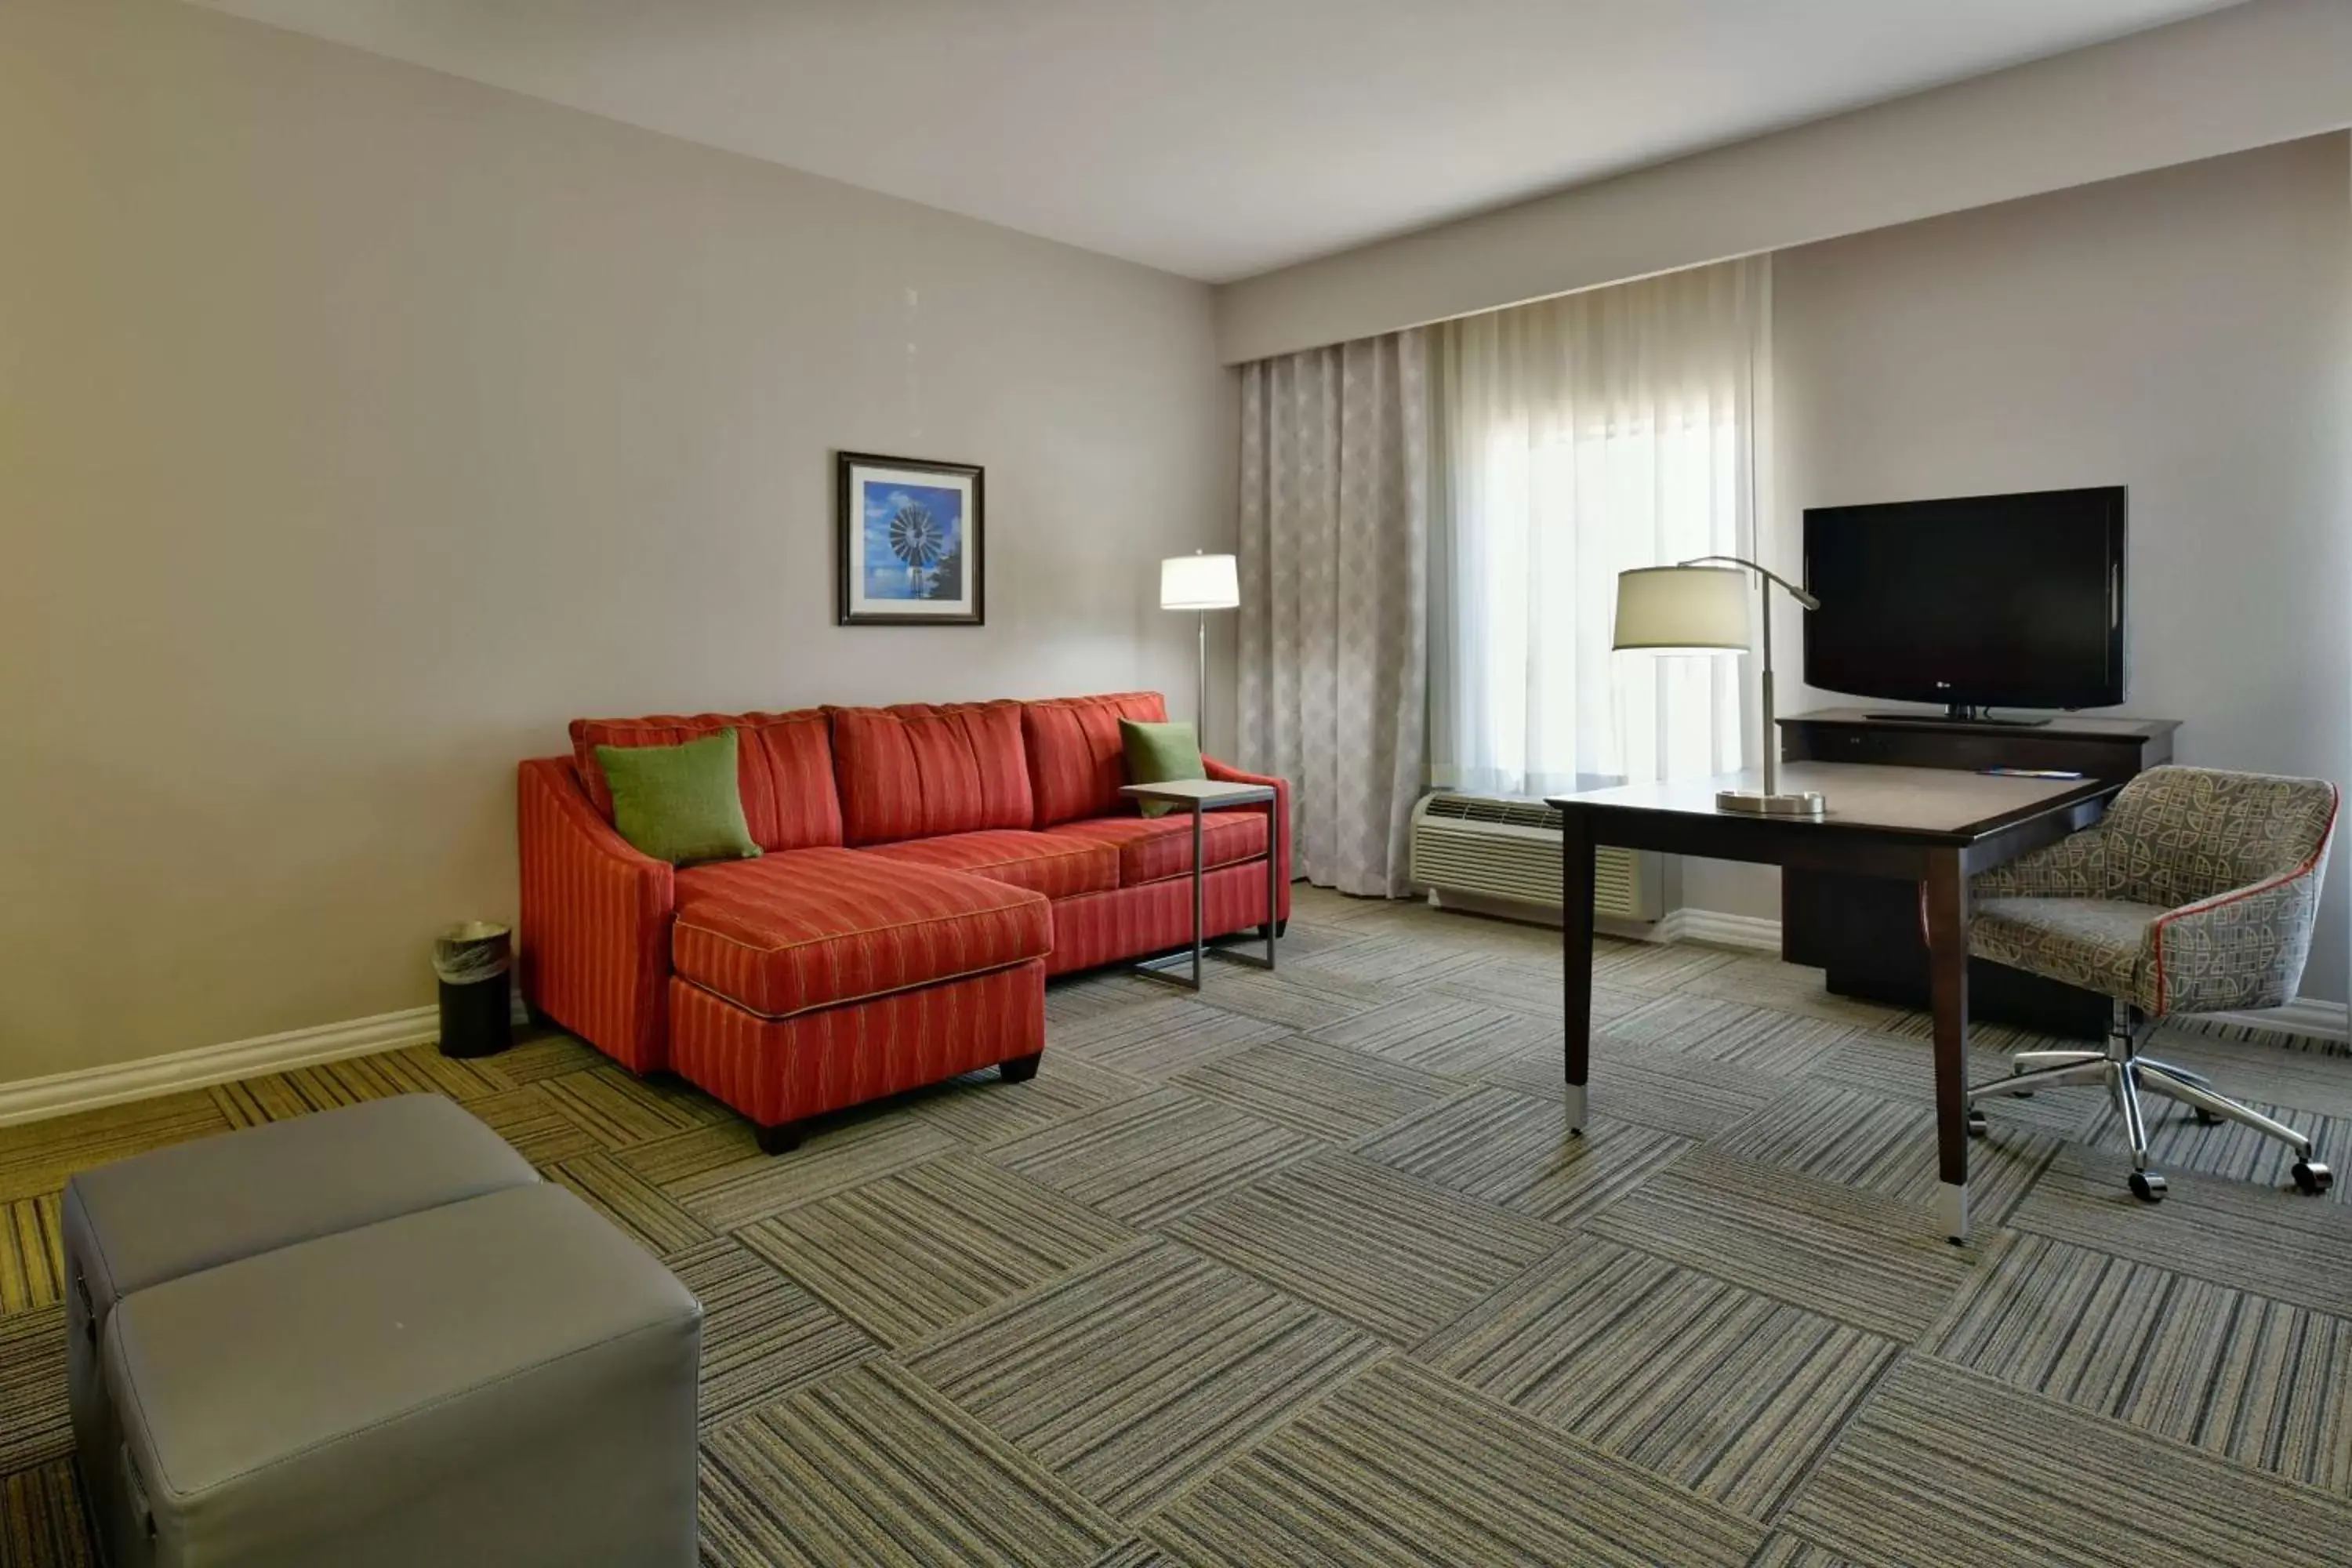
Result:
[[912, 548]]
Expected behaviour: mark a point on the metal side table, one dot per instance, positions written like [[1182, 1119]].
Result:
[[1200, 796]]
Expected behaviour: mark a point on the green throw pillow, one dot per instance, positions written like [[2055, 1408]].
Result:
[[1158, 754], [679, 804]]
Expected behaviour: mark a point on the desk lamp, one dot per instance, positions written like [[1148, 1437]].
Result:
[[1694, 607]]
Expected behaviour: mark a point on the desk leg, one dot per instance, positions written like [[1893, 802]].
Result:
[[1947, 967], [1576, 958]]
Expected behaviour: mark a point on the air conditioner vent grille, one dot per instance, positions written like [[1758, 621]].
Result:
[[1490, 808], [1498, 847]]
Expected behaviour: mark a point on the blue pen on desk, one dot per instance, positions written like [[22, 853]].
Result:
[[2032, 773]]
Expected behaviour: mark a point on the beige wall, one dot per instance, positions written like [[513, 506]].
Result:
[[360, 425], [2256, 74], [2188, 334]]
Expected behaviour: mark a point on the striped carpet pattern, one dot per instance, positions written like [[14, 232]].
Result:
[[1308, 1268]]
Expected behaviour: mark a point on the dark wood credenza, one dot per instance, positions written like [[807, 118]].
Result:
[[1864, 932]]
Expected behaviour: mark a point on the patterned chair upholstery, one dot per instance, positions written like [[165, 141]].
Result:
[[2195, 893]]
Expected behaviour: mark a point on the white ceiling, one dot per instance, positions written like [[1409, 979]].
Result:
[[1215, 138]]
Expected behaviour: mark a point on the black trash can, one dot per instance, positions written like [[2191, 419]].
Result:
[[472, 961]]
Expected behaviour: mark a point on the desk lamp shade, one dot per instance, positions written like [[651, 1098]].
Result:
[[1683, 609], [1698, 608], [1198, 582]]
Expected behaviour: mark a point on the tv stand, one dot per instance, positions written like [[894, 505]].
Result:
[[1866, 934], [1957, 714]]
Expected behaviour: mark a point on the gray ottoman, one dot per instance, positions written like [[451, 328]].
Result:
[[505, 1381], [180, 1210]]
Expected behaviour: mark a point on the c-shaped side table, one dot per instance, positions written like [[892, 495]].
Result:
[[1200, 794]]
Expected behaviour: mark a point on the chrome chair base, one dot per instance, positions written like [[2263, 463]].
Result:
[[2127, 1074]]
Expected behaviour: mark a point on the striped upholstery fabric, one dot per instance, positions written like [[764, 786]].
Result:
[[1077, 762], [1283, 836], [596, 920], [1096, 929], [914, 771], [814, 928], [1152, 850], [897, 931], [1055, 864], [785, 768], [779, 1070]]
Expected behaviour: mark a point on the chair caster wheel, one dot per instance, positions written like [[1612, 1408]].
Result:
[[2206, 1118], [2312, 1176], [2148, 1186], [1976, 1125]]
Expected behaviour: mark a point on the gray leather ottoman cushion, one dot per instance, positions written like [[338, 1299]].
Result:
[[142, 1221], [161, 1215], [506, 1380]]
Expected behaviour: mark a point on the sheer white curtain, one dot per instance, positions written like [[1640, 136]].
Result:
[[1581, 436]]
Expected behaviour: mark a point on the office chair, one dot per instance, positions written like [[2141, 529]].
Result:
[[2195, 893]]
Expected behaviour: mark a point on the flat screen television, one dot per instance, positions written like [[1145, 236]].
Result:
[[1984, 600]]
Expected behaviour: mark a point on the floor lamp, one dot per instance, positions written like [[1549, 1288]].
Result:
[[1201, 583]]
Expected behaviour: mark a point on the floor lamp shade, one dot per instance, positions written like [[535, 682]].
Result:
[[1201, 583], [1198, 582], [1683, 609]]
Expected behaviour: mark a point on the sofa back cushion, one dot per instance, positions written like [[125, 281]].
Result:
[[1076, 759], [916, 771], [783, 763]]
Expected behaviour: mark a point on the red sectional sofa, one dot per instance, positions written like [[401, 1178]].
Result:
[[923, 870]]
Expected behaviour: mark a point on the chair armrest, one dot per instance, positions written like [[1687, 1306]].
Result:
[[2074, 867], [596, 920], [1223, 773], [2241, 949]]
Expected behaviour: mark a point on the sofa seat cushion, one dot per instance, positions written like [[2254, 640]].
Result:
[[1152, 850], [816, 928], [1057, 865], [783, 768]]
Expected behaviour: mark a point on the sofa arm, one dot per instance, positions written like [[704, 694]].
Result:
[[596, 920], [1222, 774], [2241, 949], [2074, 867]]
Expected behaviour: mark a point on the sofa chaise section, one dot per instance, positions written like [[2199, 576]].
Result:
[[820, 978]]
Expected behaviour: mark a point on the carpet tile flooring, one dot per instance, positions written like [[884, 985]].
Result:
[[1306, 1269], [927, 1246], [1140, 1373]]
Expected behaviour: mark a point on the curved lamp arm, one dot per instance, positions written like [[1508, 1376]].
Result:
[[1764, 572]]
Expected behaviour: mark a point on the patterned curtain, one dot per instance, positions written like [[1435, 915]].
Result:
[[1334, 617]]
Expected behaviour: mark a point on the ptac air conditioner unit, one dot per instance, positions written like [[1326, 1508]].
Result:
[[1475, 849]]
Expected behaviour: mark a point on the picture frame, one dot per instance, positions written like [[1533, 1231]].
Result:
[[911, 542]]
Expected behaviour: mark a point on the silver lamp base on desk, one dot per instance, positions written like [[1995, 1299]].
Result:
[[1804, 803]]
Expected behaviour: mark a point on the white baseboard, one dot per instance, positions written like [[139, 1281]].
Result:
[[33, 1098], [1720, 929]]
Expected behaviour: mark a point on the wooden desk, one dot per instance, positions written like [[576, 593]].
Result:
[[1933, 826]]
